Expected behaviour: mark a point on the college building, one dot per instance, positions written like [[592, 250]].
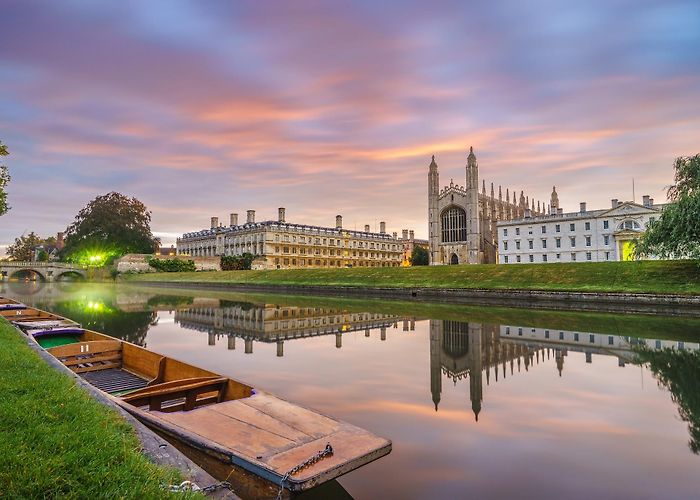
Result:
[[583, 236], [278, 244]]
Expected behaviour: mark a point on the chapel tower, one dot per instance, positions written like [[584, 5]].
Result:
[[433, 211], [472, 209]]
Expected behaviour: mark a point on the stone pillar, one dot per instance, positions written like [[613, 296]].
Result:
[[280, 348], [248, 346], [231, 342]]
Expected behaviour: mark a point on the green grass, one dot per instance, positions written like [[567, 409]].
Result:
[[681, 277], [55, 441]]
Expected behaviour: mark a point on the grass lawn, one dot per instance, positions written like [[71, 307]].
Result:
[[682, 277], [58, 442]]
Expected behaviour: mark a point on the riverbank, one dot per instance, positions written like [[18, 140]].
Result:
[[648, 277], [58, 441]]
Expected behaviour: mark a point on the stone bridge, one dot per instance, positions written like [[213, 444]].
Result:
[[46, 271]]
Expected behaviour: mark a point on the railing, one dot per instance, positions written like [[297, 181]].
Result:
[[60, 265]]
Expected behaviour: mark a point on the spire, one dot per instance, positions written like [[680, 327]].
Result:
[[433, 165], [483, 186], [500, 193], [492, 190], [554, 202], [471, 153]]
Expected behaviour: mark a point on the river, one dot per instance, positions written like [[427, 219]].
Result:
[[479, 402]]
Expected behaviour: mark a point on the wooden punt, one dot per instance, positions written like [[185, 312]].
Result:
[[231, 421]]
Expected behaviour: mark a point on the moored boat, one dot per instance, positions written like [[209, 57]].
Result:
[[229, 420]]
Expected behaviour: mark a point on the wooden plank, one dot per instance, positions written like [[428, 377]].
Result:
[[231, 433], [177, 385], [307, 421], [84, 348], [78, 360], [241, 411]]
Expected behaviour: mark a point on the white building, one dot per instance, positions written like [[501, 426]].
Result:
[[583, 236]]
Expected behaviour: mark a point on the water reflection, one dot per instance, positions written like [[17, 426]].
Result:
[[464, 393]]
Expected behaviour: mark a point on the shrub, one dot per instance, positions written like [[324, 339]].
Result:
[[171, 265], [237, 262]]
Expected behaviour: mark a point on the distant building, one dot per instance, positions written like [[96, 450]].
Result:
[[408, 242], [462, 221], [279, 244], [583, 236]]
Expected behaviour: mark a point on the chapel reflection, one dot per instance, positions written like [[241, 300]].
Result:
[[478, 351], [272, 323]]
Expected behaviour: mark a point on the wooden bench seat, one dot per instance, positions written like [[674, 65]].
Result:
[[90, 356], [177, 395]]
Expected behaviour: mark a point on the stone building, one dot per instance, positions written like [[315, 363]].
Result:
[[408, 242], [584, 236], [279, 244], [462, 220]]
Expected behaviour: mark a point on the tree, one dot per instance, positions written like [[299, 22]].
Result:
[[4, 180], [419, 256], [23, 247], [109, 226], [676, 234]]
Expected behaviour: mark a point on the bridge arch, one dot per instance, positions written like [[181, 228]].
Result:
[[27, 271], [58, 276]]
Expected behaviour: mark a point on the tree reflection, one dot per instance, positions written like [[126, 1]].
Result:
[[679, 372]]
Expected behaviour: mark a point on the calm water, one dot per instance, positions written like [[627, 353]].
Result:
[[479, 403]]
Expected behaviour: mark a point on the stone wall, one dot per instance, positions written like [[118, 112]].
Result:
[[138, 263]]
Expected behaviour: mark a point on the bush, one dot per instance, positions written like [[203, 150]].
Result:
[[171, 265], [237, 262]]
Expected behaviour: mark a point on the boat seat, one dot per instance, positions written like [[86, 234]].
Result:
[[115, 381], [95, 355], [177, 395]]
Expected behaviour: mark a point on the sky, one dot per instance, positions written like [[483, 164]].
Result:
[[200, 109]]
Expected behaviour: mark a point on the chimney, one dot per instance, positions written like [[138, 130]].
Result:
[[404, 234], [382, 227], [366, 228], [645, 200], [339, 222], [651, 202], [411, 235], [560, 211], [583, 207], [280, 214], [251, 216], [234, 220], [395, 235], [613, 202], [214, 222]]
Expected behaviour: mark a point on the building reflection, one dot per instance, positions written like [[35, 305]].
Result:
[[271, 323], [478, 351]]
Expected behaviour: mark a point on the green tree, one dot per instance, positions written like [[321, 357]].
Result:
[[4, 180], [23, 247], [676, 234], [109, 226], [419, 256]]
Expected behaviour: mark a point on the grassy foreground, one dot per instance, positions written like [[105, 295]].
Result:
[[58, 442], [682, 277]]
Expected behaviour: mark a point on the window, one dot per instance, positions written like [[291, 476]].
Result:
[[606, 239], [544, 229], [505, 259], [658, 344], [558, 256], [588, 241], [606, 224], [588, 256], [454, 225], [591, 338], [532, 258], [607, 255], [517, 231], [546, 334], [575, 337], [561, 335], [505, 245], [573, 256], [557, 242], [557, 228], [544, 243], [517, 258], [517, 245], [520, 332], [505, 231], [572, 227], [587, 225], [544, 258], [611, 340], [530, 244], [573, 241]]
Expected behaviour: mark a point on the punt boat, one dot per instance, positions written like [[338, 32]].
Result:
[[291, 446]]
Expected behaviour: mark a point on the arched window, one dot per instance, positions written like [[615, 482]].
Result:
[[454, 225], [629, 225]]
